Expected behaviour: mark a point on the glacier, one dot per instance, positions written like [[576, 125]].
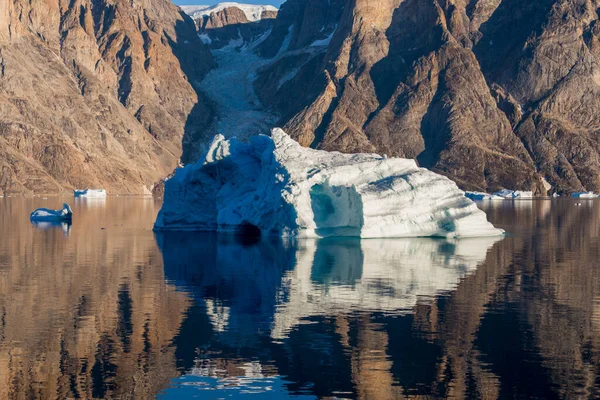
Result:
[[274, 186]]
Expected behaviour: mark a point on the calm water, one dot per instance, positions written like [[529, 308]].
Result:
[[107, 309]]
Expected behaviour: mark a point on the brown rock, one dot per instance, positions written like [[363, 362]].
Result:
[[493, 93], [95, 94], [231, 23]]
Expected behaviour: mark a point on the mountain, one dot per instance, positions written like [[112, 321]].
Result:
[[114, 93], [252, 12], [96, 93], [492, 93], [236, 23]]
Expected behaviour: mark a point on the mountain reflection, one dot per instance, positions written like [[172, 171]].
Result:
[[296, 308], [398, 318], [88, 315], [113, 311]]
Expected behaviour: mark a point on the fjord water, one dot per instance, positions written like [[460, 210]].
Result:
[[105, 308]]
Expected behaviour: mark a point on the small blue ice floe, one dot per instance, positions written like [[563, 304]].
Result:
[[47, 215]]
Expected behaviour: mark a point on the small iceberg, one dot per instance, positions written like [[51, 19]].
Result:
[[585, 195], [91, 193], [479, 196], [513, 194], [275, 187], [47, 215]]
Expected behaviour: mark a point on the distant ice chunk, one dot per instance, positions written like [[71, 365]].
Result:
[[275, 186], [478, 196], [514, 194], [90, 193], [47, 215], [585, 195]]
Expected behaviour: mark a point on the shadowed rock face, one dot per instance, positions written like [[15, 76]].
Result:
[[493, 93], [96, 93]]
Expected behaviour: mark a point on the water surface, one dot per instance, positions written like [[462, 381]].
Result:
[[105, 308]]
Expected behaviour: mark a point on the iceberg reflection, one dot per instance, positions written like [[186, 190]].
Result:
[[382, 276], [273, 286], [65, 226]]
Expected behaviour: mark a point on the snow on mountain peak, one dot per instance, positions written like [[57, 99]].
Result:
[[253, 12]]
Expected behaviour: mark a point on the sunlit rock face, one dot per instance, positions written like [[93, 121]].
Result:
[[494, 94], [96, 93], [276, 187]]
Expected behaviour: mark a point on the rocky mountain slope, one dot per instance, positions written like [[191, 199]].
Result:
[[96, 93], [225, 23], [493, 93]]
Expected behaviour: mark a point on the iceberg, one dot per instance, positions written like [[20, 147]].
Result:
[[274, 186], [47, 215], [514, 194], [585, 195], [90, 193], [478, 196]]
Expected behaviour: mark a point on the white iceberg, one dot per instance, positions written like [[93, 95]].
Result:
[[514, 194], [47, 215], [478, 196], [275, 186], [90, 193], [585, 195]]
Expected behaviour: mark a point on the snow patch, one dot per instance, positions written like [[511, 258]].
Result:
[[324, 42], [282, 189], [287, 40], [288, 77]]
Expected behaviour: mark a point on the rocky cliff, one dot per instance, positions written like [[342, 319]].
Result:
[[96, 93], [493, 93], [227, 23]]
